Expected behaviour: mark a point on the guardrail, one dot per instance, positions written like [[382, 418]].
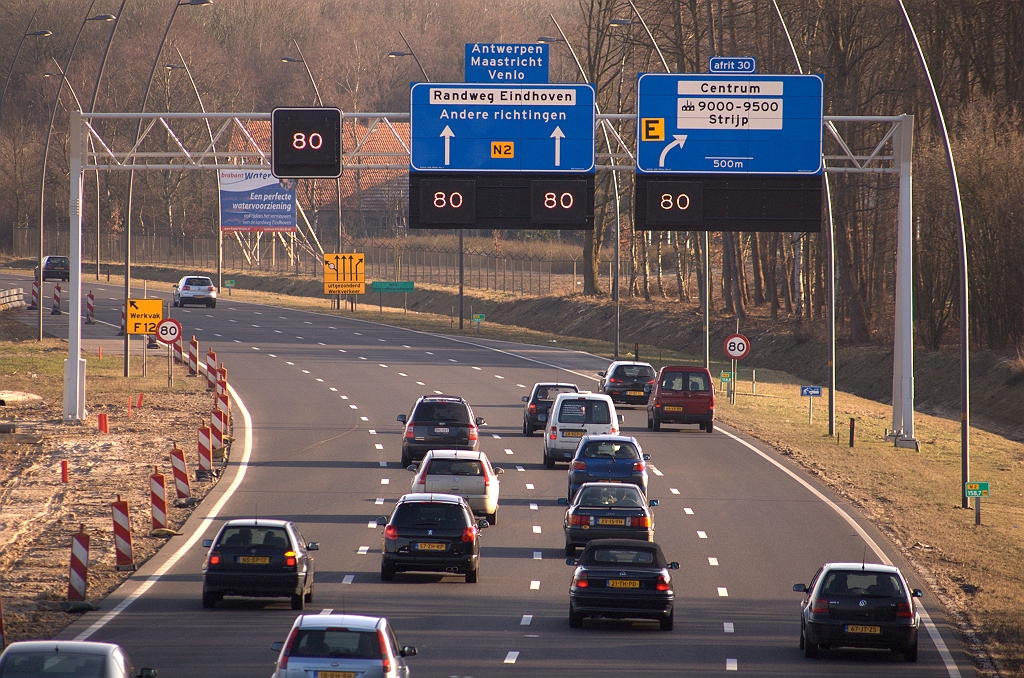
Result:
[[13, 298]]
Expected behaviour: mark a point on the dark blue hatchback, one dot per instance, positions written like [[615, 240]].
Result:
[[608, 458]]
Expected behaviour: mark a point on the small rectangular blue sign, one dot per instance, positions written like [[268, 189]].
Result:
[[459, 127], [732, 65], [810, 391], [507, 63], [729, 124]]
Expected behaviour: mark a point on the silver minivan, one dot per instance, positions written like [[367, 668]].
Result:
[[574, 415]]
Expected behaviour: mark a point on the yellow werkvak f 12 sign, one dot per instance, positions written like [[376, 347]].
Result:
[[344, 273], [143, 315]]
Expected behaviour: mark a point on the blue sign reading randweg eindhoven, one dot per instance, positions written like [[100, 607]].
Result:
[[507, 63], [459, 127]]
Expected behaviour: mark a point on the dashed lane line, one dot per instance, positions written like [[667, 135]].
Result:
[[712, 561], [723, 592], [348, 579], [364, 550], [511, 657], [728, 627], [701, 534], [526, 620], [731, 665], [688, 511], [673, 490], [535, 585]]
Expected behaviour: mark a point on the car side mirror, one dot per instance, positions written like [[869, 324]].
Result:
[[408, 651], [562, 501], [653, 502], [800, 588], [147, 673], [621, 418], [647, 457], [412, 467], [401, 418], [313, 546], [277, 645], [673, 565], [498, 470], [918, 593], [571, 561], [207, 543], [382, 521], [525, 399], [482, 523], [600, 374], [480, 421]]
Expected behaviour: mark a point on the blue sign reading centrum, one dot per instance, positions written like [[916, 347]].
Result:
[[502, 128], [506, 63]]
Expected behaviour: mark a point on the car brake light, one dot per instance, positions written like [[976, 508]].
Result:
[[384, 657], [579, 466], [186, 287], [283, 661], [640, 521], [409, 430], [575, 519], [215, 558], [421, 477], [289, 558], [639, 465], [469, 534], [554, 434], [819, 606], [650, 381], [473, 432], [664, 583], [580, 581], [904, 611], [391, 533], [657, 404], [613, 380], [212, 288], [532, 408], [614, 431]]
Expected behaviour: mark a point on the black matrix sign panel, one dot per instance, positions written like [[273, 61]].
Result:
[[306, 143], [515, 200], [728, 202]]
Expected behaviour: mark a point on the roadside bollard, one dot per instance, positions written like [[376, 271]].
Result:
[[56, 300], [123, 322], [124, 558], [180, 472], [853, 423], [205, 457], [193, 357], [90, 309], [35, 296], [103, 422], [211, 370], [64, 470], [158, 499], [79, 577]]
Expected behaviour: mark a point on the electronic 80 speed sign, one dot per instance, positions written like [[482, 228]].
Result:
[[674, 203], [448, 201], [306, 143], [558, 202]]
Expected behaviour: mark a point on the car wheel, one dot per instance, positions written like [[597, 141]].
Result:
[[309, 596], [209, 599], [174, 303], [570, 551], [492, 518], [668, 622], [473, 575], [527, 431], [575, 618], [212, 304], [709, 427], [809, 648], [387, 571], [910, 654], [548, 461], [298, 601], [650, 421], [655, 424], [406, 459]]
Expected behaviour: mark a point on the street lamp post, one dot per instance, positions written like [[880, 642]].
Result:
[[412, 53], [27, 34]]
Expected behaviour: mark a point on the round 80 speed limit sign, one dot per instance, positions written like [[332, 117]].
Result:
[[737, 346], [168, 331]]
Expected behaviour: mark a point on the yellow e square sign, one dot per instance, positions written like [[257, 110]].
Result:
[[143, 315], [345, 273], [503, 149], [652, 129]]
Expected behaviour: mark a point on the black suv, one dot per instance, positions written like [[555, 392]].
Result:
[[55, 267], [439, 423], [538, 404], [431, 533]]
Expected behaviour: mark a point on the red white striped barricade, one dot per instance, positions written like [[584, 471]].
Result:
[[123, 322], [178, 356], [158, 499], [125, 559], [218, 433], [193, 357], [223, 400], [180, 472], [205, 457], [90, 309], [222, 373], [79, 575], [211, 370], [35, 296], [56, 300]]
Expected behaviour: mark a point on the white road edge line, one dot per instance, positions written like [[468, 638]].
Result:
[[933, 633], [243, 465]]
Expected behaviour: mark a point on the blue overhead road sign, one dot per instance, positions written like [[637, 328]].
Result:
[[459, 127], [730, 124], [732, 64]]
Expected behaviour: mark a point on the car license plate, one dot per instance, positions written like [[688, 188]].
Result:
[[572, 434], [673, 408], [441, 430], [335, 674], [254, 560], [864, 629], [611, 521], [198, 296], [429, 546], [634, 393], [623, 584]]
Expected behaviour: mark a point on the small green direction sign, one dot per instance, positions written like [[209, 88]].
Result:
[[392, 286], [726, 376], [229, 283], [976, 489], [479, 317]]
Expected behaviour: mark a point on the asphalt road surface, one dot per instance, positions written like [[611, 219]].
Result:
[[321, 394]]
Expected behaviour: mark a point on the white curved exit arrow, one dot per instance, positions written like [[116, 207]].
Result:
[[680, 139]]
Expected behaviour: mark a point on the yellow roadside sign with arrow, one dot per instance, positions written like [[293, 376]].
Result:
[[344, 273]]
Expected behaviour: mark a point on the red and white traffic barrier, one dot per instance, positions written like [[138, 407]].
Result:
[[205, 456], [223, 402], [193, 357], [222, 373], [211, 370], [176, 348], [123, 322], [218, 428], [125, 559], [90, 309], [35, 296], [79, 565], [56, 300], [180, 473], [158, 499]]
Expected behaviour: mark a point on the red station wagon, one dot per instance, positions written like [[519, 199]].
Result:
[[682, 395]]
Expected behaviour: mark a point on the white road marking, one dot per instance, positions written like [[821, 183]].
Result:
[[320, 343], [529, 486], [402, 374], [498, 376], [429, 352], [378, 446], [348, 579], [723, 592], [508, 451], [688, 511], [305, 371], [521, 385], [320, 380], [452, 360], [372, 524], [378, 501], [512, 656], [332, 327], [729, 628], [282, 317], [327, 610], [362, 358], [731, 665], [527, 618], [303, 338], [673, 490], [477, 369], [439, 392], [272, 355], [406, 346], [354, 407], [533, 507], [421, 383], [656, 470], [255, 348], [255, 325], [307, 322], [364, 419], [288, 362], [341, 350], [232, 321], [536, 529], [535, 585], [383, 463], [382, 340], [217, 335], [363, 550], [496, 436], [702, 535], [373, 431], [381, 365], [384, 481], [537, 555], [237, 341], [344, 397], [278, 332], [520, 468], [334, 389], [713, 561]]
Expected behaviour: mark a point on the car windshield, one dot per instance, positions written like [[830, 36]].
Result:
[[429, 516], [685, 381], [335, 642], [455, 467], [862, 583], [549, 393], [627, 497], [609, 449], [438, 412], [620, 555], [245, 537], [199, 282], [67, 664], [635, 372], [584, 412]]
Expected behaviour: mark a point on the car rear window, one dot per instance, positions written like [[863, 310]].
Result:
[[437, 412], [623, 555], [455, 467], [584, 412], [633, 372], [335, 642], [685, 381], [628, 497], [552, 392], [608, 449], [35, 664], [58, 261], [429, 516], [199, 282], [245, 537], [862, 583]]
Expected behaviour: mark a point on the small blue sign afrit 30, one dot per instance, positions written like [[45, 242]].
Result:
[[810, 391], [732, 65], [506, 63], [460, 127]]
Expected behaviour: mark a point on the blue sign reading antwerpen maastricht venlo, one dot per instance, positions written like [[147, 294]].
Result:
[[506, 63], [255, 200], [730, 124], [459, 127]]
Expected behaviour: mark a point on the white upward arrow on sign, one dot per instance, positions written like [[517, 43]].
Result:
[[680, 139], [558, 135], [447, 133]]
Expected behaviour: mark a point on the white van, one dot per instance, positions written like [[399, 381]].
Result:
[[574, 415]]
